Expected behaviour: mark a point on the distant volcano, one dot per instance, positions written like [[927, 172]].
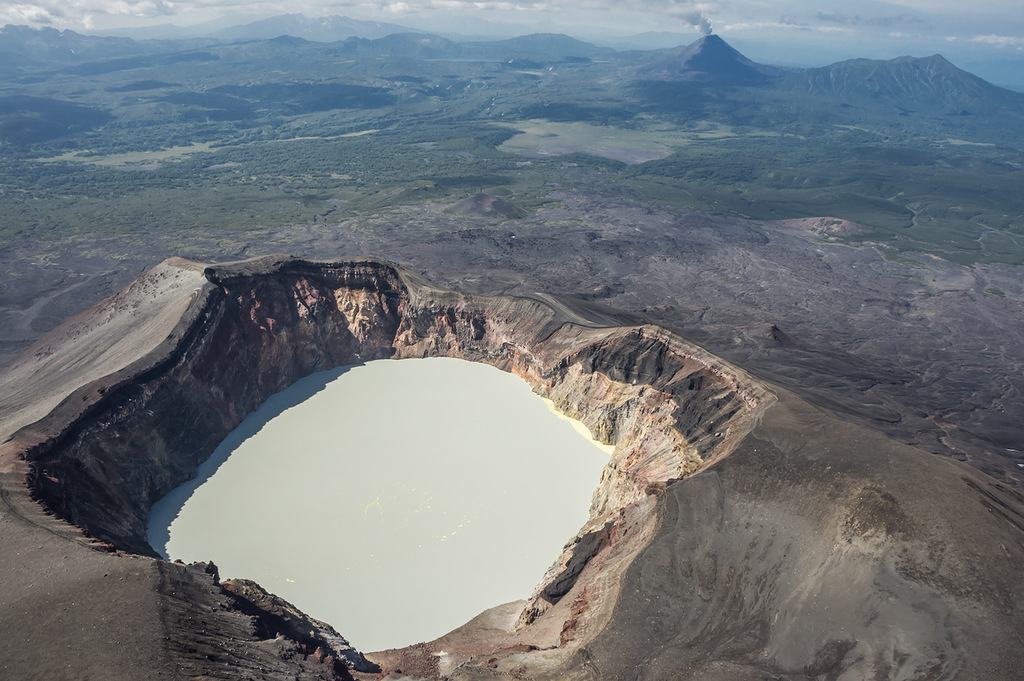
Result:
[[709, 60]]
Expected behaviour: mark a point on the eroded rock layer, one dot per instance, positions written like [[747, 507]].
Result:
[[737, 532]]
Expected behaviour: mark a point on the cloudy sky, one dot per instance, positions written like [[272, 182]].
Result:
[[992, 29]]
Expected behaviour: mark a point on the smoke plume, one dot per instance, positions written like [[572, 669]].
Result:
[[698, 21]]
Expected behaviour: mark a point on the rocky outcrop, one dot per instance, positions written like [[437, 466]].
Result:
[[279, 618], [736, 533]]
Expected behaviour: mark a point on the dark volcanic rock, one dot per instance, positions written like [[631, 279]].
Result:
[[277, 617], [737, 533]]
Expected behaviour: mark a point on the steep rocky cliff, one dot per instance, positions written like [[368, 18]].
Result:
[[736, 531]]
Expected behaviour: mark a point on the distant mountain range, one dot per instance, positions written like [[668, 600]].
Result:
[[22, 46], [918, 83], [931, 86], [318, 29], [331, 29], [321, 29], [1002, 68], [904, 85]]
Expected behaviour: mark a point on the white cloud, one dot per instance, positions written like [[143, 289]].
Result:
[[32, 15], [693, 13], [79, 12], [840, 18], [958, 7], [784, 24], [1000, 40]]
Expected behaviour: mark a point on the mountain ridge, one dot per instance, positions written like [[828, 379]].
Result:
[[911, 80]]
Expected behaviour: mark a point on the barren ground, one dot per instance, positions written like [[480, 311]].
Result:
[[927, 351]]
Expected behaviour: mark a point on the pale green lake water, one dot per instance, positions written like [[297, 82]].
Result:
[[395, 500]]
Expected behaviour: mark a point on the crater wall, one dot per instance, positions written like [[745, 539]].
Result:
[[736, 531], [262, 325]]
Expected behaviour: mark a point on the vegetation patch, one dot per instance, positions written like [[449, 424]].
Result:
[[26, 120]]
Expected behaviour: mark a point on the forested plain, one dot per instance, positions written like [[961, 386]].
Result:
[[237, 136]]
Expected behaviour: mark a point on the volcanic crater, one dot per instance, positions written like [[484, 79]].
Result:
[[737, 531]]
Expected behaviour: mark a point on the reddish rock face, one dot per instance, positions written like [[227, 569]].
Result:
[[731, 525]]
